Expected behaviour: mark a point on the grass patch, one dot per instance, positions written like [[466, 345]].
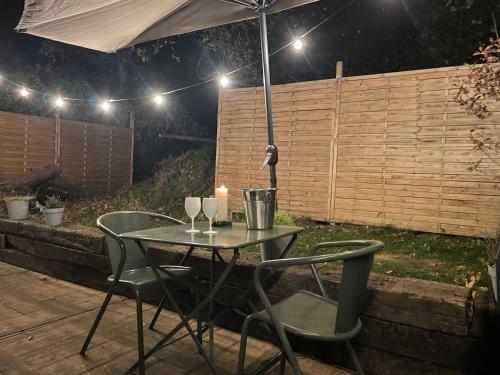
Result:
[[438, 257]]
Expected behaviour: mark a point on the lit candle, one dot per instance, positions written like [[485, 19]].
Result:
[[222, 194]]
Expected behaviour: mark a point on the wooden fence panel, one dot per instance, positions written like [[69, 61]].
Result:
[[95, 158], [73, 151], [397, 153], [303, 120], [26, 143]]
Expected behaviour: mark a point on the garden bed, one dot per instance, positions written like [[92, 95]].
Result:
[[438, 257]]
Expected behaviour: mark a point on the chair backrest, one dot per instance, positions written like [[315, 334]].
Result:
[[115, 223], [355, 273]]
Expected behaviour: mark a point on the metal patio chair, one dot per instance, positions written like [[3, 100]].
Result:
[[310, 315], [130, 269]]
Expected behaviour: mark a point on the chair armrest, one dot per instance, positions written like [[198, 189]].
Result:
[[166, 218], [372, 247]]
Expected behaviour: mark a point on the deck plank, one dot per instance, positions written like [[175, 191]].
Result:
[[44, 321]]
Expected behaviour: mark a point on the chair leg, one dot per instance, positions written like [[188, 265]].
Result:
[[199, 332], [243, 345], [288, 352], [157, 313], [354, 358], [140, 334], [282, 365], [97, 320]]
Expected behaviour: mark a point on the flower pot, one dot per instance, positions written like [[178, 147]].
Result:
[[492, 271], [53, 216], [17, 208]]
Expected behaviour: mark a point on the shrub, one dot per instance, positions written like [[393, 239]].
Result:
[[54, 201], [283, 218]]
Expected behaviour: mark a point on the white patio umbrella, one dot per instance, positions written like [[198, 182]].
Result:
[[109, 25]]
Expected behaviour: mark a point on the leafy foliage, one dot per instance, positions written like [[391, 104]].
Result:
[[54, 201], [189, 174], [370, 37], [480, 86], [283, 218], [482, 83]]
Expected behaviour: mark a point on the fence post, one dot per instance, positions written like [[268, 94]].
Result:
[[57, 140], [339, 71], [110, 158], [132, 126], [335, 132], [25, 149]]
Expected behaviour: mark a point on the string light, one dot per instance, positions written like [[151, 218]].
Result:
[[59, 102], [105, 105], [224, 81], [23, 92], [298, 44], [158, 99]]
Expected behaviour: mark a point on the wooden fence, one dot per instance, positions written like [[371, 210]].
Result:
[[96, 158], [386, 149]]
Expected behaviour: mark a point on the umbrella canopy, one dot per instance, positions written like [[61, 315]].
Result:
[[108, 25]]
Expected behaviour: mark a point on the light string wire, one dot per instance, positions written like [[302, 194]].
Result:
[[197, 84]]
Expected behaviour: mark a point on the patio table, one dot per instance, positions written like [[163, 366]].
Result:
[[228, 239]]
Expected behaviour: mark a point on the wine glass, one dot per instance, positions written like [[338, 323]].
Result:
[[193, 207], [210, 208]]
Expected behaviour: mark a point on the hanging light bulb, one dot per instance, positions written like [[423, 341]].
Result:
[[23, 92], [59, 102], [298, 44], [224, 81], [106, 105], [158, 99]]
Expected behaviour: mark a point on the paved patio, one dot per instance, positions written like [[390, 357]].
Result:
[[43, 322]]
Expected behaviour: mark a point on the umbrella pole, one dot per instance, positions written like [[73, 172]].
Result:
[[271, 149]]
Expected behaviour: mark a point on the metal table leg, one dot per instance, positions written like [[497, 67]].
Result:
[[185, 319], [211, 312], [238, 304], [276, 249]]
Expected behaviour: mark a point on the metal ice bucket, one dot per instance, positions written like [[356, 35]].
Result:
[[259, 207]]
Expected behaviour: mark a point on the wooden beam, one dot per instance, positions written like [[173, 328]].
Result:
[[188, 138]]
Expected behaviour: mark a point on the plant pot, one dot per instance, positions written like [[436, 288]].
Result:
[[492, 271], [17, 208], [53, 216]]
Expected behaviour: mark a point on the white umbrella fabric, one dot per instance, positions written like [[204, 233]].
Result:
[[109, 25]]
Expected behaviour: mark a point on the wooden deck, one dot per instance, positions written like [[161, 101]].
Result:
[[43, 322]]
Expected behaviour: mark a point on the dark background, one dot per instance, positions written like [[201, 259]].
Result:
[[370, 36]]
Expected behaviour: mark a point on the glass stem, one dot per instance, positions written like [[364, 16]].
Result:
[[210, 224], [192, 224]]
